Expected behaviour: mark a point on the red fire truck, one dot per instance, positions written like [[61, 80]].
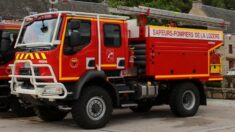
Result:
[[8, 35], [88, 64]]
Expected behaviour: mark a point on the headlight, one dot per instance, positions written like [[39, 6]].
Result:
[[52, 91]]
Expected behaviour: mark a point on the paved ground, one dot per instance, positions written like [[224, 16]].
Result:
[[218, 116]]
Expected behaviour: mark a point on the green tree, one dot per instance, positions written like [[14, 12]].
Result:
[[174, 5], [228, 4], [216, 3]]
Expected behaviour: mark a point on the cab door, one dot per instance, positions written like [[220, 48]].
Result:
[[79, 49], [113, 46]]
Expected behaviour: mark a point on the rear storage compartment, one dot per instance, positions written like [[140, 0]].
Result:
[[177, 53]]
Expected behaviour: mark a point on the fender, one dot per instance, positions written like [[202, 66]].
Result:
[[77, 87], [85, 78]]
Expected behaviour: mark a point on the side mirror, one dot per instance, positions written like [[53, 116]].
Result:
[[75, 24], [75, 39], [5, 42]]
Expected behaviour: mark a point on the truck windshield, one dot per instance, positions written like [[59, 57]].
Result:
[[40, 31]]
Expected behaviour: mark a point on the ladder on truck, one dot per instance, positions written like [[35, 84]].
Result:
[[171, 15]]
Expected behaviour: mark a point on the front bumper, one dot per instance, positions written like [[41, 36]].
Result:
[[47, 90]]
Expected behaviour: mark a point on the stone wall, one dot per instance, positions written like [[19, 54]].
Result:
[[221, 93]]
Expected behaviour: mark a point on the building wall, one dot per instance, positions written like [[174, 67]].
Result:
[[227, 52]]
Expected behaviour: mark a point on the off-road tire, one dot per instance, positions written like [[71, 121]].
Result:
[[83, 108], [177, 97], [50, 114]]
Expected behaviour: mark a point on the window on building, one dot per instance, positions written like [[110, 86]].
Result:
[[231, 64], [230, 48], [112, 35]]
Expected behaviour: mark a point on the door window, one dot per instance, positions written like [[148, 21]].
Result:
[[83, 31], [112, 35]]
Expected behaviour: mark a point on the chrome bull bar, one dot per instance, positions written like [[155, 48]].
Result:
[[47, 90]]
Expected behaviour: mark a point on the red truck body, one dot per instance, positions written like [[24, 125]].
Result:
[[167, 57], [180, 54]]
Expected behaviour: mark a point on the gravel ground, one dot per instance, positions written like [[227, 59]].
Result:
[[218, 116]]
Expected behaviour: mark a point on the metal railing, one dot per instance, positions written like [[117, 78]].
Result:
[[39, 88]]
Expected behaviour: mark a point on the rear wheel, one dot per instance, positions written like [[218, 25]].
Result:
[[93, 109], [185, 100], [142, 107], [49, 114]]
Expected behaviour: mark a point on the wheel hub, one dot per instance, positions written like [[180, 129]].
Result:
[[96, 108], [188, 100]]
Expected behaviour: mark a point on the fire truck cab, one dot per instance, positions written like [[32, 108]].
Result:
[[90, 63]]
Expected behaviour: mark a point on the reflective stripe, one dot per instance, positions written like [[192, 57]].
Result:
[[43, 56], [21, 56], [26, 56], [31, 56], [37, 56], [17, 56]]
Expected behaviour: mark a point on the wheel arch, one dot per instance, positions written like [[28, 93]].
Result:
[[198, 84], [96, 78]]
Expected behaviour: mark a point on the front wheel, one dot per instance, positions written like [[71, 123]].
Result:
[[93, 109], [185, 100]]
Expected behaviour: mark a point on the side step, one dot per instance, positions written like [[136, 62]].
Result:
[[115, 77], [126, 91], [123, 88], [4, 86], [129, 105]]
